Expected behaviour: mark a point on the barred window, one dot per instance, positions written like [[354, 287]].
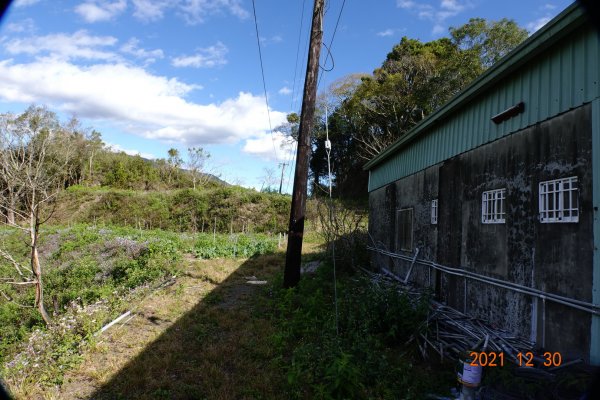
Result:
[[434, 212], [493, 207], [559, 201]]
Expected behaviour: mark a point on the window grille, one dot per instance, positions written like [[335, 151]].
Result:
[[434, 212], [493, 207], [559, 201], [405, 229]]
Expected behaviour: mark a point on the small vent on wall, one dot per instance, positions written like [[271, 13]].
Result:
[[509, 113]]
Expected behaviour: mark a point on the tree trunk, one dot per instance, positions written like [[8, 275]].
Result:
[[36, 268], [91, 165], [10, 212]]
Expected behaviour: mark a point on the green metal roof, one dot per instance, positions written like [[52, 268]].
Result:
[[507, 71]]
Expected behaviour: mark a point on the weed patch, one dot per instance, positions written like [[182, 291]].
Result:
[[232, 246], [367, 358]]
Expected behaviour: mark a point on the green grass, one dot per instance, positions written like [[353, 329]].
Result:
[[91, 274], [208, 246], [368, 358]]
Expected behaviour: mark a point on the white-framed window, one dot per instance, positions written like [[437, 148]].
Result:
[[493, 207], [434, 211], [559, 200]]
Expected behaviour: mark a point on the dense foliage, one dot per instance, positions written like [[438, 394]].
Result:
[[368, 112], [368, 357], [222, 208]]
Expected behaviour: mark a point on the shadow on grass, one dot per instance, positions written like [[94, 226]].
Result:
[[220, 349]]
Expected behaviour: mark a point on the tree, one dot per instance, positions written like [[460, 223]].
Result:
[[367, 113], [35, 152], [174, 161], [196, 164], [489, 41], [94, 146], [269, 180]]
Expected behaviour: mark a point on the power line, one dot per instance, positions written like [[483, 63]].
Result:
[[297, 54], [304, 59], [292, 166], [262, 70], [331, 42]]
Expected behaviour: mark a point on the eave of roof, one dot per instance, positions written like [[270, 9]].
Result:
[[559, 27]]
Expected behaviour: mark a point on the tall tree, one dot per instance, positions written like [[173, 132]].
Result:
[[489, 41], [174, 161], [196, 163], [370, 112], [35, 152]]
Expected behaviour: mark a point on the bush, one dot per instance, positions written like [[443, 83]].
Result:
[[362, 360], [83, 265], [208, 246]]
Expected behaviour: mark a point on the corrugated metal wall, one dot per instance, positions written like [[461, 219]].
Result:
[[562, 78]]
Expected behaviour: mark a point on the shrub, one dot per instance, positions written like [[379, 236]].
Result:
[[208, 246]]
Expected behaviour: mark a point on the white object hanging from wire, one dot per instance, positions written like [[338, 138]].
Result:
[[328, 151]]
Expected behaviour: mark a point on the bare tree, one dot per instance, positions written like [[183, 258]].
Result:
[[196, 164], [34, 154], [269, 179]]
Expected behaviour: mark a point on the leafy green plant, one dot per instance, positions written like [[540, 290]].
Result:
[[362, 359], [208, 246], [88, 268]]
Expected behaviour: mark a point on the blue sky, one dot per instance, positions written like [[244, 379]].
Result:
[[155, 74]]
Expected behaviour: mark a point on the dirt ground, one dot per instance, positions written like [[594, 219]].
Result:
[[198, 337]]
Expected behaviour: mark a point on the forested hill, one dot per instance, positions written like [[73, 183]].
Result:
[[104, 186]]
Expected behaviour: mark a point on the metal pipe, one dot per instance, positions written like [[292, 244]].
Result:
[[580, 305], [543, 322], [465, 296]]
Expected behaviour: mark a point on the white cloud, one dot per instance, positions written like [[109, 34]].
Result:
[[150, 10], [100, 10], [24, 3], [135, 101], [538, 23], [208, 57], [26, 25], [149, 56], [546, 11], [59, 45], [116, 148], [387, 32], [437, 15], [285, 91], [273, 148], [272, 40], [438, 29], [406, 4], [452, 5], [195, 11]]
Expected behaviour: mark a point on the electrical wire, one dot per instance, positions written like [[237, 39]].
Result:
[[332, 60], [262, 70], [328, 151], [297, 54], [303, 62], [292, 165], [331, 41]]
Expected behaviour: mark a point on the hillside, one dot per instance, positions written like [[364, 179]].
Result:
[[224, 209]]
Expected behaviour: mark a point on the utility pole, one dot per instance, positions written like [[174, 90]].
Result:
[[291, 275], [282, 165]]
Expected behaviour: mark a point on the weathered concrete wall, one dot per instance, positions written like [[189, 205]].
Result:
[[554, 257], [416, 192]]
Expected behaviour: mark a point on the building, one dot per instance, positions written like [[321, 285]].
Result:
[[499, 191]]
